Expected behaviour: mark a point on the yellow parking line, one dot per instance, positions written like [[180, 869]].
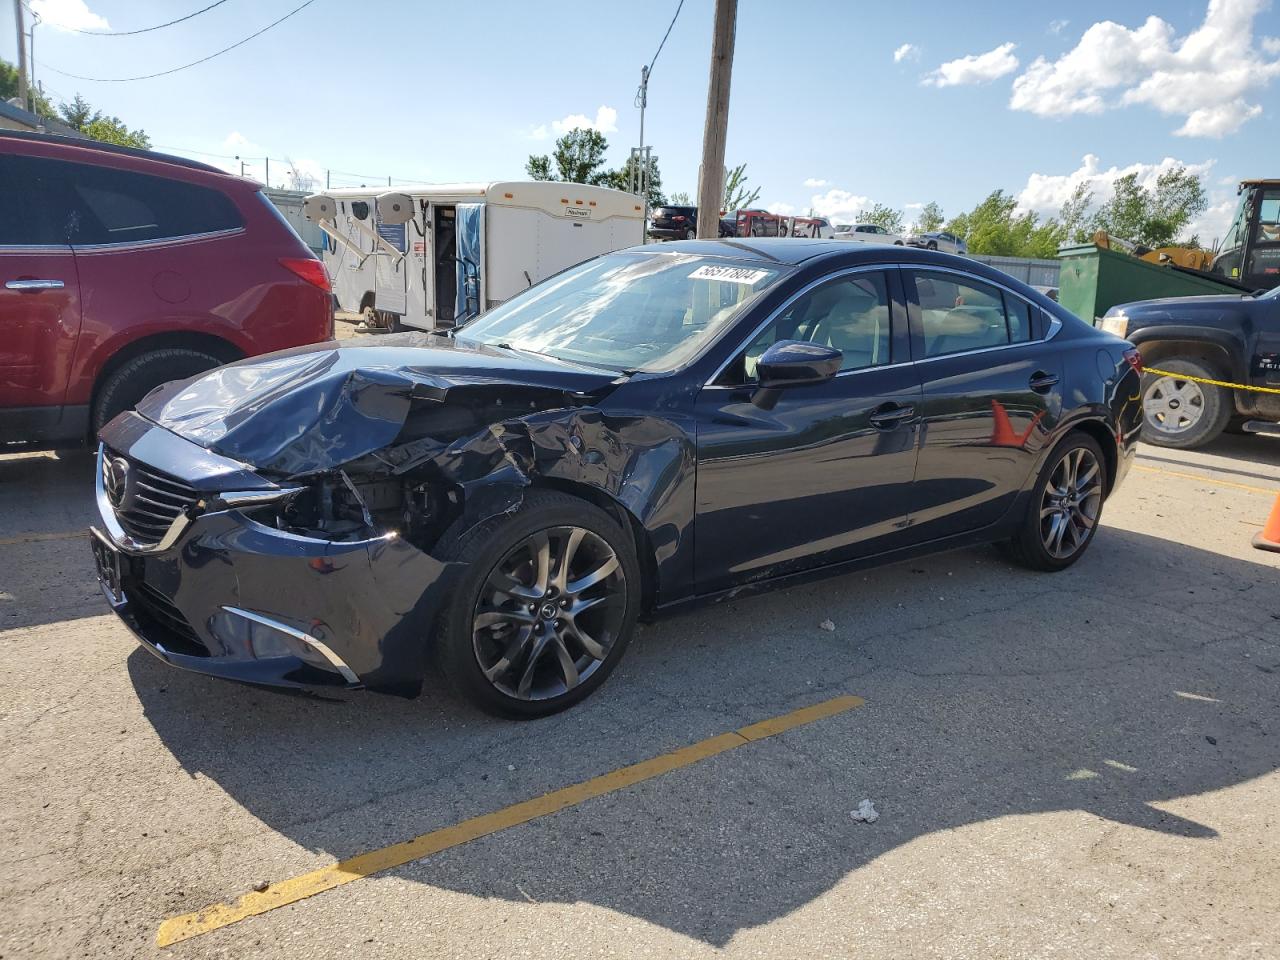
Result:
[[39, 537], [177, 929], [1221, 483]]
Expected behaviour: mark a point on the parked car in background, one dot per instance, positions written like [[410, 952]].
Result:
[[509, 498], [674, 222], [869, 233], [123, 269], [1229, 337], [938, 240], [1048, 291]]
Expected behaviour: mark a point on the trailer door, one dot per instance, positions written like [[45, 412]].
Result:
[[418, 274], [470, 261], [391, 271]]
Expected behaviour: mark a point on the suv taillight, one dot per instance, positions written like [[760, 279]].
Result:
[[308, 269], [1134, 359], [678, 219]]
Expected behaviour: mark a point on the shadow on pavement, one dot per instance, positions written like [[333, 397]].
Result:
[[988, 695]]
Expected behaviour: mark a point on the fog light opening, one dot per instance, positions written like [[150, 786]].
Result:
[[268, 639]]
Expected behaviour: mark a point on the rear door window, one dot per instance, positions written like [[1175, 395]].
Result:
[[958, 314], [27, 208], [107, 206]]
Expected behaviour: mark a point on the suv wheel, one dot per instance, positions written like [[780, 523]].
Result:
[[1182, 413], [545, 606], [125, 387], [690, 234]]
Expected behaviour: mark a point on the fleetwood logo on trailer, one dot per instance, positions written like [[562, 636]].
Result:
[[437, 255]]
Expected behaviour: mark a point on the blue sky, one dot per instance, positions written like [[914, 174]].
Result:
[[828, 109]]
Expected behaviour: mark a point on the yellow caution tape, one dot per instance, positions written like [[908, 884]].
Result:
[[1214, 383]]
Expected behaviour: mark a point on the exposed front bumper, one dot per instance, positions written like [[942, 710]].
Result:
[[228, 596]]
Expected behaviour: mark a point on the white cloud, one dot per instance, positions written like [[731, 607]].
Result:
[[68, 15], [905, 52], [606, 121], [539, 132], [1057, 26], [814, 182], [1203, 77], [839, 205], [1271, 44], [1045, 193], [975, 68], [781, 209], [235, 140]]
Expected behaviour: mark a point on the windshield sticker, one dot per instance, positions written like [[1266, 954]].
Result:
[[731, 274]]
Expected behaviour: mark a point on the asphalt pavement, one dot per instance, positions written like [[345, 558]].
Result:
[[1073, 765]]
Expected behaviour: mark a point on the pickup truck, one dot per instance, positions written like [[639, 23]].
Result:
[[1230, 337]]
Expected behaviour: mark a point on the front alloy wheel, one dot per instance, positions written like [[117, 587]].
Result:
[[1071, 503], [549, 613]]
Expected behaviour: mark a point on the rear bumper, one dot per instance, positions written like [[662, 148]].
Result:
[[231, 597], [668, 233]]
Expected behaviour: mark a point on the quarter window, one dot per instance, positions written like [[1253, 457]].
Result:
[[958, 315], [851, 314]]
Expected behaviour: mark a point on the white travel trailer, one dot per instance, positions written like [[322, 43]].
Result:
[[436, 255]]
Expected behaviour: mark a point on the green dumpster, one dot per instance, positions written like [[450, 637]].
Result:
[[1094, 279]]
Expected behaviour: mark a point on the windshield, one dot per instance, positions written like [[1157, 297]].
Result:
[[648, 312]]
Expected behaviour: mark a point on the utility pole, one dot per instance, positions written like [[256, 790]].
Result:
[[642, 173], [711, 176], [326, 179], [22, 55], [267, 161], [31, 55]]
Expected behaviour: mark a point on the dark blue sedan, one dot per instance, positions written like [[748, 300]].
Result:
[[650, 429]]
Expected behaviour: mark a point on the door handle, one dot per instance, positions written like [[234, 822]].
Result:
[[1042, 382], [889, 415], [34, 285]]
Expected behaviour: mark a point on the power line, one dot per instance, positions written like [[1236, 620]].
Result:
[[165, 73], [665, 35], [134, 33]]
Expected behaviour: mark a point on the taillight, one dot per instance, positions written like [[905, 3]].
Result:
[[678, 219], [1134, 359], [308, 269]]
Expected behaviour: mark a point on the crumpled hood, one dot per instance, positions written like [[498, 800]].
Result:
[[317, 407]]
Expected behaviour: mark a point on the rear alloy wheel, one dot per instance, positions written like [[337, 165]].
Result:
[[1065, 507], [931, 245], [690, 234], [1179, 412], [545, 606]]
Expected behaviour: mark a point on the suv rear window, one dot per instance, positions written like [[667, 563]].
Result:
[[89, 204]]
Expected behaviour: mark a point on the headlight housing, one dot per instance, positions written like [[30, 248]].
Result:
[[1116, 322]]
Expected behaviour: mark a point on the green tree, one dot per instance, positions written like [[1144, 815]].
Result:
[[1074, 215], [9, 87], [1153, 218], [81, 116], [882, 216], [994, 228], [578, 158], [930, 218], [737, 195], [682, 199], [621, 179]]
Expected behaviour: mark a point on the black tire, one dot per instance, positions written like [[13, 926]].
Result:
[[483, 549], [931, 245], [127, 385], [1027, 547], [691, 234], [1216, 405]]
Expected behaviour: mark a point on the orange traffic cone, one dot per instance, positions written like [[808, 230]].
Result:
[[1269, 538]]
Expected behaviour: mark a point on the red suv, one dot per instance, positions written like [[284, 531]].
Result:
[[123, 269]]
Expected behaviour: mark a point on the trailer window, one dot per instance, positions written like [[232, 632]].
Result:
[[626, 311]]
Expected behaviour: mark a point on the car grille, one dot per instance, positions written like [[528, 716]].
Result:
[[161, 621], [152, 501]]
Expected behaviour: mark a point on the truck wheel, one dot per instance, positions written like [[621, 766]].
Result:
[[135, 379], [1182, 413], [545, 605]]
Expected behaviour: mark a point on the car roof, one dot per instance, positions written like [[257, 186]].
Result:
[[793, 251], [99, 146]]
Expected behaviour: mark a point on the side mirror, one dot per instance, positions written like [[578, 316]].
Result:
[[794, 363]]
